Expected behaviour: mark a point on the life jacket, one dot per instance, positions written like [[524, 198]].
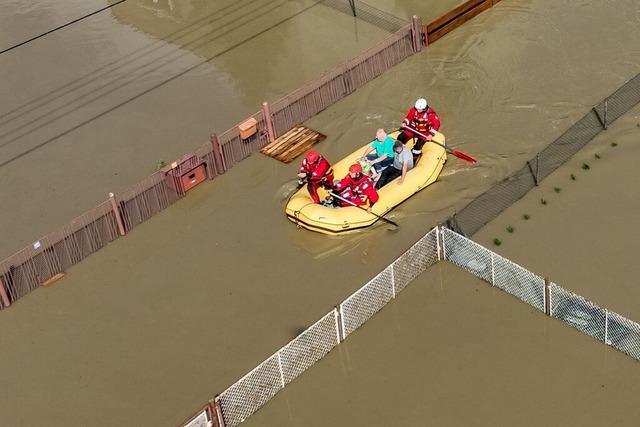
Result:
[[423, 122], [361, 187], [317, 171]]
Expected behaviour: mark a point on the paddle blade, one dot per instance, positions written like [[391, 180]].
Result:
[[463, 156]]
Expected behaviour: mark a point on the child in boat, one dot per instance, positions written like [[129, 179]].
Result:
[[402, 163], [383, 157]]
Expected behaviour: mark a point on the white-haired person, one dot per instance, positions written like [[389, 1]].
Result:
[[380, 153]]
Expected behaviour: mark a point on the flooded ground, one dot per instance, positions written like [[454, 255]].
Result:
[[586, 237], [94, 107], [452, 351], [154, 325]]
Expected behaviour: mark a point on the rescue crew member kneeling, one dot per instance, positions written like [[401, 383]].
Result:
[[357, 188]]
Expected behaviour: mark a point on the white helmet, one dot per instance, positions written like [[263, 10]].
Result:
[[421, 104]]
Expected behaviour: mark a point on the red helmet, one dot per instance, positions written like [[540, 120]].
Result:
[[355, 168], [312, 156]]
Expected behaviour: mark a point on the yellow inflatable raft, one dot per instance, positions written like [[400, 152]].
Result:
[[301, 210]]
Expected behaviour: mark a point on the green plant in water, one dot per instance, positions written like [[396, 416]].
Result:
[[161, 164], [543, 201], [497, 241], [557, 189], [573, 177], [614, 144], [586, 166], [510, 229], [597, 156], [525, 217]]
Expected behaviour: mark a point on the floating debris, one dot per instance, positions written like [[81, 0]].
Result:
[[614, 144], [497, 241], [510, 229], [543, 201], [586, 166], [597, 156], [573, 177], [557, 189], [525, 217]]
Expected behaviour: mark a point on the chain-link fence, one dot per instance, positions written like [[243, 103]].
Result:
[[578, 312], [494, 269], [491, 203], [365, 12], [246, 396]]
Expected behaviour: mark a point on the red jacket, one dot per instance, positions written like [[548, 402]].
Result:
[[422, 122], [361, 187], [317, 171]]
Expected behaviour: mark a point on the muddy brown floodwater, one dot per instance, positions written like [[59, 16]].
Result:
[[453, 351], [151, 327], [587, 236], [94, 107]]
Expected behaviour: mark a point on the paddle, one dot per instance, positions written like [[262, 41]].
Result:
[[360, 207], [458, 154]]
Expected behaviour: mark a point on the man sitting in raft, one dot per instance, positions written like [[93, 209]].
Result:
[[356, 188], [383, 147], [402, 163], [422, 118], [318, 173]]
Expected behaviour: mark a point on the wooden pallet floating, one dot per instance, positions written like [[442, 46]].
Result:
[[293, 143]]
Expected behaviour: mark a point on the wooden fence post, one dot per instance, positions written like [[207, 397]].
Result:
[[217, 410], [218, 156], [3, 293], [425, 37], [266, 112], [416, 30], [116, 212]]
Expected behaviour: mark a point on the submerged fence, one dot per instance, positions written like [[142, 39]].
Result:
[[50, 256], [247, 395], [53, 254], [490, 204]]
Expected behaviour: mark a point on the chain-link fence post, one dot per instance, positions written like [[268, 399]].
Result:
[[493, 268], [393, 281], [352, 3], [440, 243], [339, 324], [606, 327], [547, 297]]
